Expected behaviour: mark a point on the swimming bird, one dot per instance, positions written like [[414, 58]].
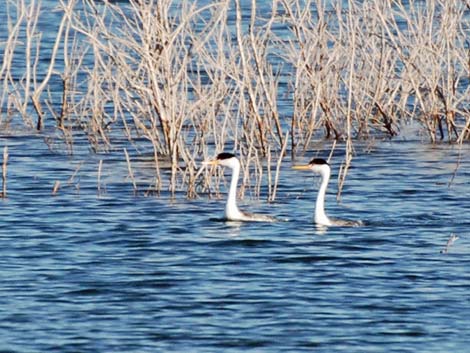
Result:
[[320, 166], [232, 213]]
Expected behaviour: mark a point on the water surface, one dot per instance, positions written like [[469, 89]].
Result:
[[124, 273], [114, 271]]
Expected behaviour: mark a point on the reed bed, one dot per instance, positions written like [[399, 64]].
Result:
[[181, 81]]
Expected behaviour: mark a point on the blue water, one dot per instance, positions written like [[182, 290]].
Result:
[[118, 271], [82, 272]]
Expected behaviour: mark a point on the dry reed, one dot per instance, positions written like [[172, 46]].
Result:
[[4, 172], [130, 171], [195, 79], [56, 187], [100, 169]]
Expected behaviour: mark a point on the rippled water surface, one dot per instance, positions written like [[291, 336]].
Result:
[[82, 272]]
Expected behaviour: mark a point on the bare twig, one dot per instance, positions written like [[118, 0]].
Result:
[[100, 168], [278, 166], [129, 169], [449, 243], [4, 172], [56, 187]]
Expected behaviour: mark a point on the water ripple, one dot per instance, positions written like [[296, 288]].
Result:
[[130, 273]]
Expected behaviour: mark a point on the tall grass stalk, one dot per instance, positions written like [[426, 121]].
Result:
[[4, 172]]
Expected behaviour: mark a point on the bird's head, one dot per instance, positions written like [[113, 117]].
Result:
[[224, 159], [316, 165]]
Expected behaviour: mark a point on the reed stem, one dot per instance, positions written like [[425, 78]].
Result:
[[4, 172]]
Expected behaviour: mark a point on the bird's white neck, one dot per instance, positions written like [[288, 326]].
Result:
[[231, 209], [320, 216]]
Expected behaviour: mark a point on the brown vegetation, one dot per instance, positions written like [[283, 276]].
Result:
[[195, 79]]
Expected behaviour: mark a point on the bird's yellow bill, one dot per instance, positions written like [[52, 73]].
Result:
[[301, 167], [211, 162]]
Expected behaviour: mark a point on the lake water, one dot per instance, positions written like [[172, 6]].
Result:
[[83, 271]]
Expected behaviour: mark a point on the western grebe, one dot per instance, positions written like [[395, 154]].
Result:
[[320, 166], [232, 213]]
